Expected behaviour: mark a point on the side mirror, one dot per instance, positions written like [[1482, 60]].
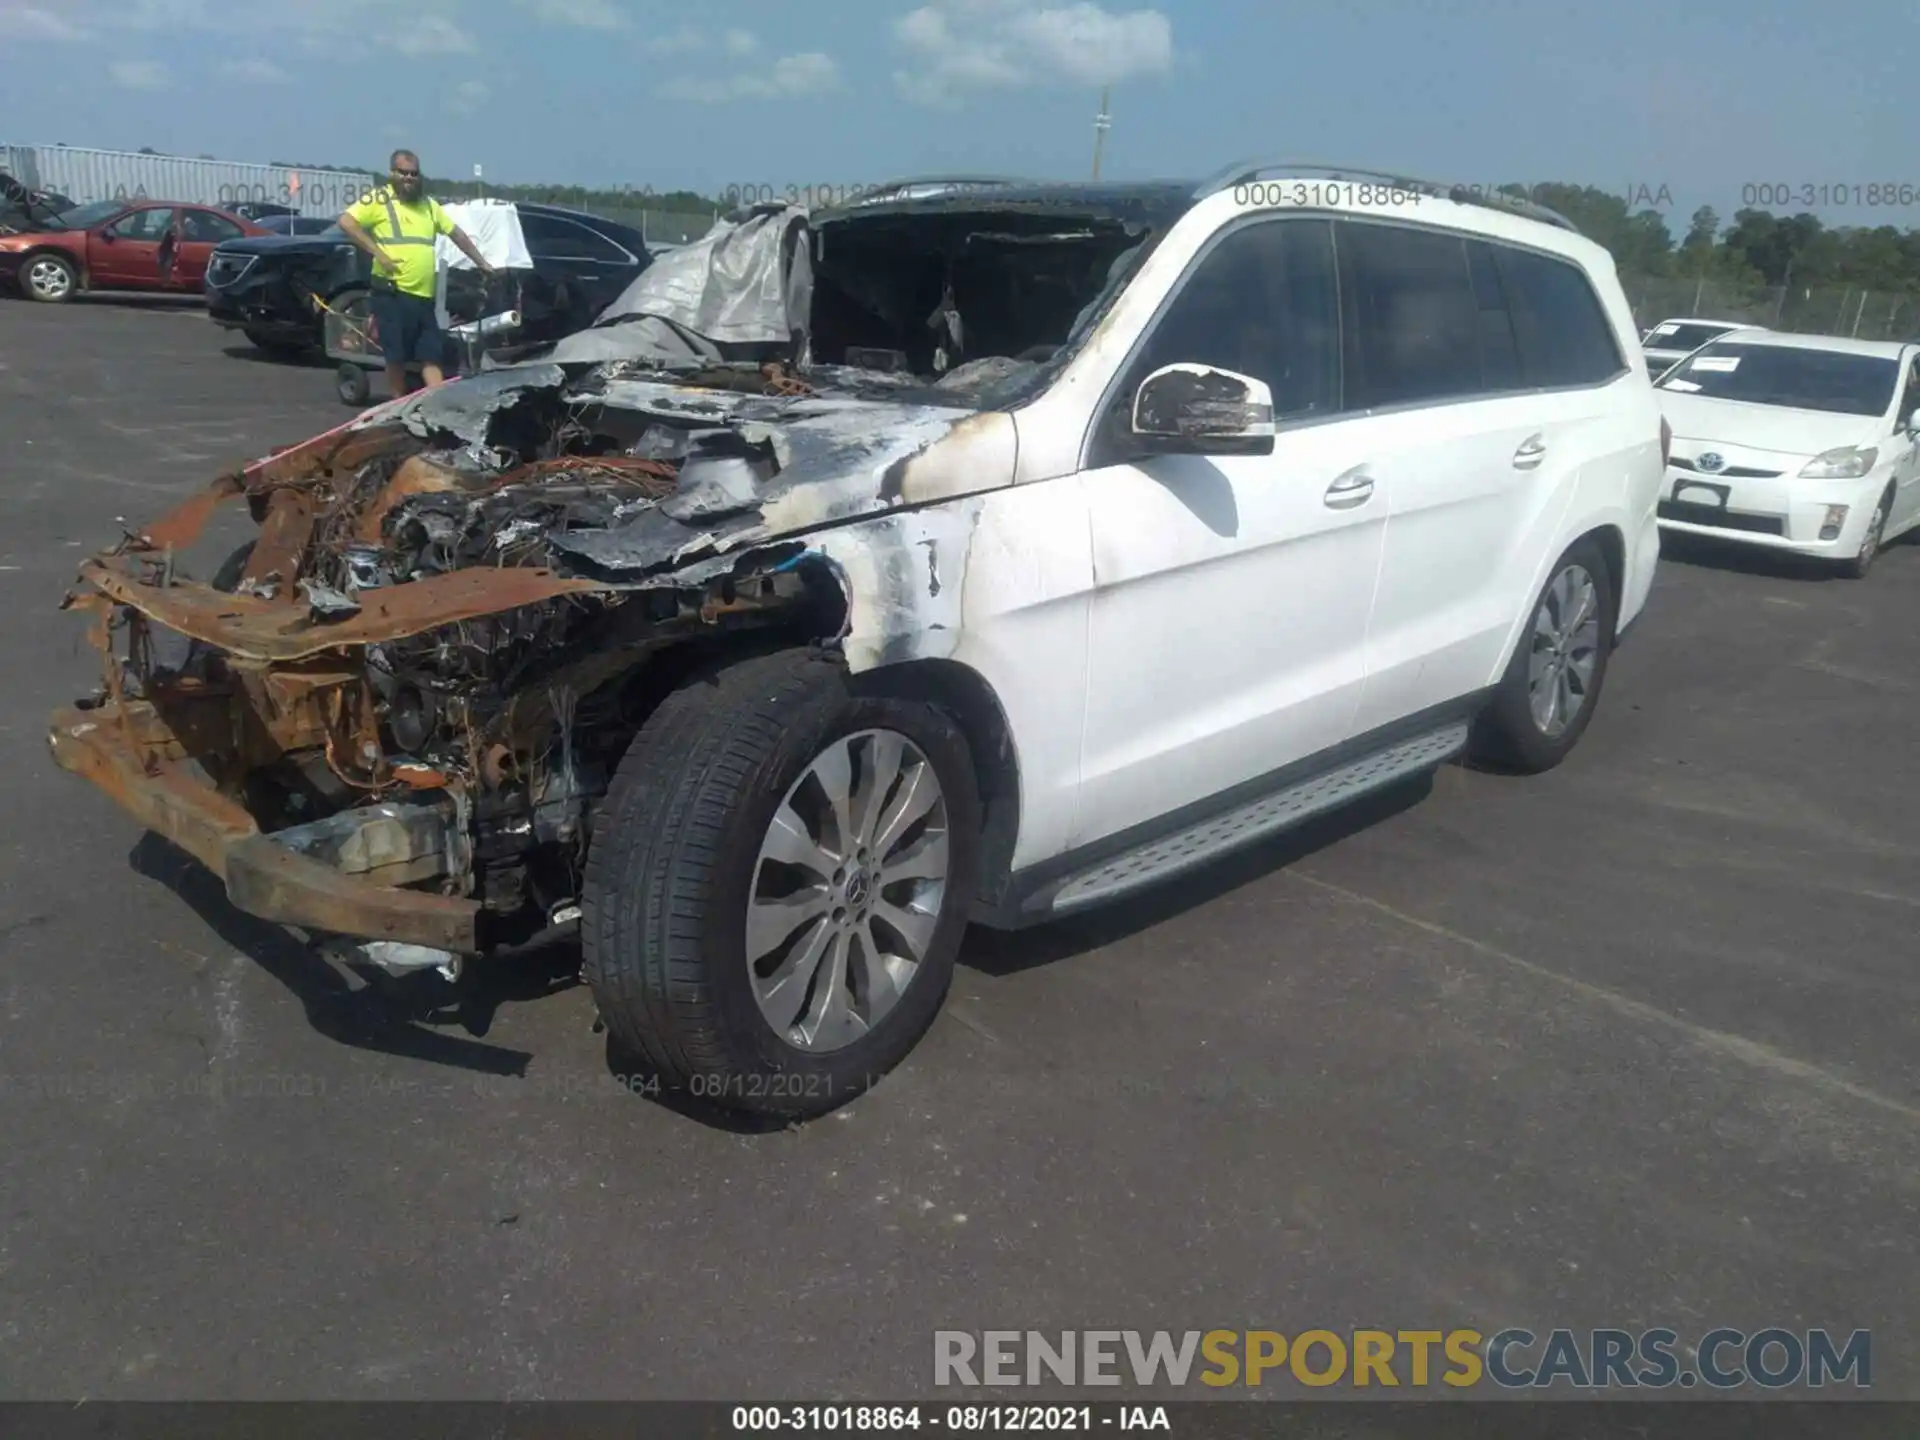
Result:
[[107, 237], [1913, 422], [1198, 410]]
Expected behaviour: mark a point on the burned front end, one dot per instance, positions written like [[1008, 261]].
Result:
[[391, 715]]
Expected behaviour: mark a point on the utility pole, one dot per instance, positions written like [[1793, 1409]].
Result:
[[1102, 123]]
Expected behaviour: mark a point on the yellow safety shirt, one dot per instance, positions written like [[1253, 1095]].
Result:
[[406, 231]]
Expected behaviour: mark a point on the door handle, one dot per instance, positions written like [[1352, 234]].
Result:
[[1351, 489], [1531, 452]]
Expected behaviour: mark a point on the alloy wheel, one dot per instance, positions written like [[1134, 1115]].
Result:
[[1566, 650], [49, 279], [847, 890], [1876, 528]]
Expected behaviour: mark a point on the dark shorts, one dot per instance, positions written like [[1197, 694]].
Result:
[[408, 330]]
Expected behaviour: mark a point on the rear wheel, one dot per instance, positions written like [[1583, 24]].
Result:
[[778, 883], [1870, 543], [1552, 684], [49, 278]]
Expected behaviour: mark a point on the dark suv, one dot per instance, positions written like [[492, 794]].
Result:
[[266, 286]]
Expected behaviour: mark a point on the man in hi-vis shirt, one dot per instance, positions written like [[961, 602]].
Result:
[[397, 226]]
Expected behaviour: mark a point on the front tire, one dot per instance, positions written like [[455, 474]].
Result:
[[1871, 542], [352, 384], [49, 278], [779, 879], [1545, 700]]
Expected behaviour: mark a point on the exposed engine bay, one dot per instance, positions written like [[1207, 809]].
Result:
[[461, 606]]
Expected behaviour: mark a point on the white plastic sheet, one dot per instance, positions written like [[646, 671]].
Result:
[[742, 283], [494, 228]]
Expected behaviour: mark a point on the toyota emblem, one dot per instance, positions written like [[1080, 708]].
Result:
[[1711, 461]]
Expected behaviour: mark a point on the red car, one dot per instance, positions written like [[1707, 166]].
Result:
[[117, 245]]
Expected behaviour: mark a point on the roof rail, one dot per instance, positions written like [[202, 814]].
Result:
[[894, 189], [1241, 172]]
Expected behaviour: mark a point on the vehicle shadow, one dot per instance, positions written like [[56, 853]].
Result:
[[285, 359], [1000, 953], [138, 300], [405, 1016], [390, 1015], [1703, 553]]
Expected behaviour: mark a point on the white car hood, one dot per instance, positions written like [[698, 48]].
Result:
[[1767, 427]]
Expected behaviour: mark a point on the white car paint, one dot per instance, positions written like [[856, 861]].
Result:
[[1763, 448], [1190, 624]]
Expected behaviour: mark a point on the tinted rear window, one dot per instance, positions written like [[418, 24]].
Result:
[[1558, 321], [1411, 318], [1499, 355]]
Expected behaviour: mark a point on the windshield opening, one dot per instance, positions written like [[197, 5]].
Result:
[[971, 302], [1829, 380], [85, 217]]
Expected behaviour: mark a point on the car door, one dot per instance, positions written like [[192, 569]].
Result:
[[1231, 594], [577, 274], [1906, 470], [1479, 451], [125, 254], [199, 231]]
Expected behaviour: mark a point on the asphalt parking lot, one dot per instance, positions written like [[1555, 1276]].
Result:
[[1631, 1044]]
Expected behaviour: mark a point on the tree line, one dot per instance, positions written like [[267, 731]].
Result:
[[1756, 248]]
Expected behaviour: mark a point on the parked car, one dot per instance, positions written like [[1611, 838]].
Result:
[[794, 629], [112, 245], [265, 287], [1796, 442], [1671, 341]]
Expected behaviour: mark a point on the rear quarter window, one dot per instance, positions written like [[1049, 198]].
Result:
[[1559, 325]]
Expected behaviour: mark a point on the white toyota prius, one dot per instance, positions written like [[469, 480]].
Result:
[[1795, 442]]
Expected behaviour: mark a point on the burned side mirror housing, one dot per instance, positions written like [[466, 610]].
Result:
[[1200, 410]]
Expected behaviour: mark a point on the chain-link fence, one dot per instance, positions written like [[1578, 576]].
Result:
[[1849, 310], [661, 227]]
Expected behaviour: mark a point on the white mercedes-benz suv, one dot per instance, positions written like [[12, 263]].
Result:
[[1795, 442], [973, 555]]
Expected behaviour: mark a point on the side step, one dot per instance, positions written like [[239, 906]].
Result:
[[1209, 839]]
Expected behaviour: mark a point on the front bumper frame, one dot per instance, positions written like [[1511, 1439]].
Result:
[[263, 877]]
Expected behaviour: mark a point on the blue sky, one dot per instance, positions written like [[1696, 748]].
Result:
[[1700, 98]]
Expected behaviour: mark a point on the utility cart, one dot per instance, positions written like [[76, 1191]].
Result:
[[480, 317], [352, 341]]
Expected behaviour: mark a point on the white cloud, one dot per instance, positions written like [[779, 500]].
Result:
[[683, 41], [255, 71], [787, 78], [468, 96], [584, 14], [33, 23], [138, 74], [431, 35], [961, 46], [740, 42]]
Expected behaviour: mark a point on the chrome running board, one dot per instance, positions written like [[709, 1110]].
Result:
[[1218, 835]]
